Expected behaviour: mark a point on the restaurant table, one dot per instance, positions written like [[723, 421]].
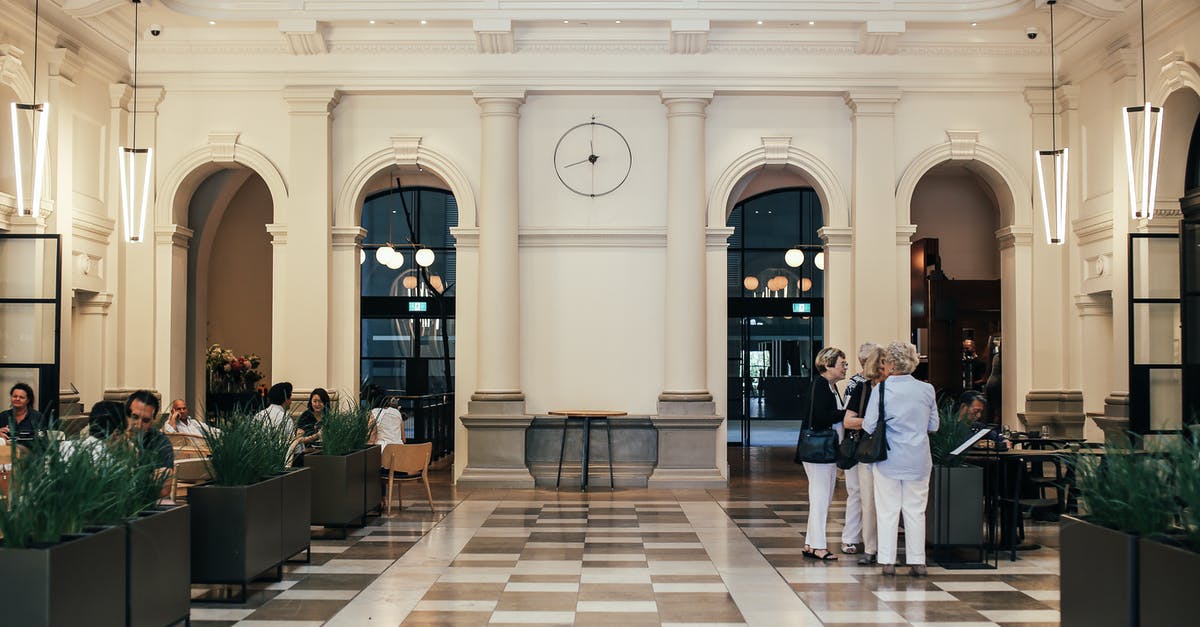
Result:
[[585, 418], [1046, 442]]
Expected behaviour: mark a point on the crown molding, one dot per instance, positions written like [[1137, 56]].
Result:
[[1093, 228], [92, 227], [593, 237]]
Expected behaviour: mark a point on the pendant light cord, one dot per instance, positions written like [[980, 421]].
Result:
[[1053, 95], [136, 4], [1142, 8], [36, 13]]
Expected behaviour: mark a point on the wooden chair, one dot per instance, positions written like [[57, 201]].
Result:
[[407, 462], [187, 473], [188, 446]]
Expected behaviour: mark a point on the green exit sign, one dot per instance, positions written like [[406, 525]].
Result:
[[801, 307], [418, 306]]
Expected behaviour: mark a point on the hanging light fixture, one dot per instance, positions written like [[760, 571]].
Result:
[[1052, 164], [29, 126], [424, 257], [819, 260], [794, 257], [387, 255], [135, 164], [1143, 137]]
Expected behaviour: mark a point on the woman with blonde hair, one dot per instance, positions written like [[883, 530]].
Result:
[[907, 410], [874, 371], [825, 410]]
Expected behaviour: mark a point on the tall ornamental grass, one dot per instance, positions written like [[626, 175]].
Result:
[[345, 428], [247, 450], [1126, 489], [951, 433]]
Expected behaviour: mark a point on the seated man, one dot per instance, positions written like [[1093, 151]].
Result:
[[141, 408], [972, 407], [277, 412], [178, 421]]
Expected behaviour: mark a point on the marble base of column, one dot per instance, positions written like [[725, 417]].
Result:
[[496, 445], [687, 445], [1054, 412], [68, 403], [1115, 421]]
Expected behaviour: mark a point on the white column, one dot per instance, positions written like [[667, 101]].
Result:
[[171, 243], [1095, 324], [839, 292], [1068, 101], [91, 340], [499, 366], [63, 64], [345, 329], [305, 360], [114, 358], [1124, 68], [684, 377], [904, 239], [1016, 320], [880, 302], [279, 301]]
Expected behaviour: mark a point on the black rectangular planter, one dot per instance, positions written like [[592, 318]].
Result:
[[159, 567], [235, 531], [1167, 584], [1098, 575], [338, 488], [954, 516], [373, 498], [80, 581], [295, 535]]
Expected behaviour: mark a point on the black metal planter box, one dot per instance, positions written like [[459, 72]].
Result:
[[80, 581], [954, 516], [373, 499], [295, 501], [1098, 575], [340, 486], [235, 531], [1167, 584], [159, 567]]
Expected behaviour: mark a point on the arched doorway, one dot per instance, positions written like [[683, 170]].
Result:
[[955, 279], [776, 308], [229, 278], [407, 309]]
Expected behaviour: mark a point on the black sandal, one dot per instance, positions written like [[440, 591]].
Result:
[[826, 557]]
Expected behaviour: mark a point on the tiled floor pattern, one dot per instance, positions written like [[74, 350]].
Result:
[[630, 557]]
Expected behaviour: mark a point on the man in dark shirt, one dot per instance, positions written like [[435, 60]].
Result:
[[141, 408]]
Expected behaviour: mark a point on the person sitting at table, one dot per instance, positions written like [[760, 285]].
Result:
[[309, 424], [277, 412], [389, 423], [178, 421], [141, 408], [22, 421], [106, 419], [972, 408]]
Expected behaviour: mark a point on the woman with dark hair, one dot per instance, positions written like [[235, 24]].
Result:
[[106, 419], [22, 421], [825, 410], [309, 424]]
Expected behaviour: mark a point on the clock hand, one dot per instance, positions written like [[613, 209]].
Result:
[[590, 159]]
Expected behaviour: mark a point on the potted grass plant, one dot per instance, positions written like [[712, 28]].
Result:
[[1124, 495], [1168, 562], [955, 513], [57, 567], [245, 522], [346, 482]]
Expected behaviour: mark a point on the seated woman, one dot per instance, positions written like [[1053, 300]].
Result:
[[389, 423], [308, 427], [22, 421]]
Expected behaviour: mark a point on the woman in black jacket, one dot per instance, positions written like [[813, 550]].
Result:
[[827, 410]]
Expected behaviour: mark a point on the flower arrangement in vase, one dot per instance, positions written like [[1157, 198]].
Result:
[[228, 372]]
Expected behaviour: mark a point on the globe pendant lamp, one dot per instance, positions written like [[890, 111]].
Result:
[[1143, 137], [794, 257], [29, 127], [135, 164], [1052, 165], [424, 257]]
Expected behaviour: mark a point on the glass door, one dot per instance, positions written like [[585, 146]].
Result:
[[770, 369]]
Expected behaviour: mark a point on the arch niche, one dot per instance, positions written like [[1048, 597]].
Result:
[[220, 205], [1178, 88], [957, 167]]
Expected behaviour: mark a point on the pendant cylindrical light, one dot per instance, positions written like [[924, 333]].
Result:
[[135, 164], [1143, 138], [29, 127], [424, 257], [1052, 165], [29, 123]]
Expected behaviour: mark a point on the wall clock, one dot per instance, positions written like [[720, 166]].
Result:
[[592, 159]]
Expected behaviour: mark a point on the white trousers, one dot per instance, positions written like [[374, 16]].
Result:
[[892, 497], [866, 494], [821, 479], [852, 533]]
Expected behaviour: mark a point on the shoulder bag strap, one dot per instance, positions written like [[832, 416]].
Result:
[[882, 416], [862, 398], [812, 393]]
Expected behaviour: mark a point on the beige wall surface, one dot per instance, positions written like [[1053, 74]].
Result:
[[955, 209]]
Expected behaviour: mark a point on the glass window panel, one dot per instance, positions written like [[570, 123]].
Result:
[[11, 376], [773, 220], [1155, 268], [1191, 243], [383, 218], [27, 333], [389, 337], [1156, 333], [387, 374], [1166, 400], [430, 332], [764, 266], [1193, 326], [438, 383], [27, 267]]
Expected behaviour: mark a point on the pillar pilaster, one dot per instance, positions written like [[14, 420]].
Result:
[[279, 301], [171, 243], [1095, 323], [839, 282], [1016, 319], [91, 340], [345, 330]]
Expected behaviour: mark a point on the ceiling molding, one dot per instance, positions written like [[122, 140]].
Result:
[[304, 37], [689, 36]]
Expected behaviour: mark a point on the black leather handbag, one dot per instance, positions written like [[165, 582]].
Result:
[[816, 446], [872, 447], [848, 449]]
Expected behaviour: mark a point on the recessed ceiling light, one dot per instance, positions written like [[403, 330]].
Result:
[[811, 23], [974, 24], [617, 22], [424, 22], [566, 21], [212, 23], [759, 22], [372, 21]]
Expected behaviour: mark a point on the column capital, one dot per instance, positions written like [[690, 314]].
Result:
[[512, 96], [316, 100], [1014, 235], [905, 233], [119, 95], [718, 236], [1123, 62], [95, 305], [1038, 99], [278, 233], [1068, 97], [64, 63], [670, 96], [147, 99], [836, 236], [348, 236], [173, 234], [1097, 304], [872, 102]]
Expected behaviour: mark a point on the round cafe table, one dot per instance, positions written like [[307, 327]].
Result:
[[585, 417]]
